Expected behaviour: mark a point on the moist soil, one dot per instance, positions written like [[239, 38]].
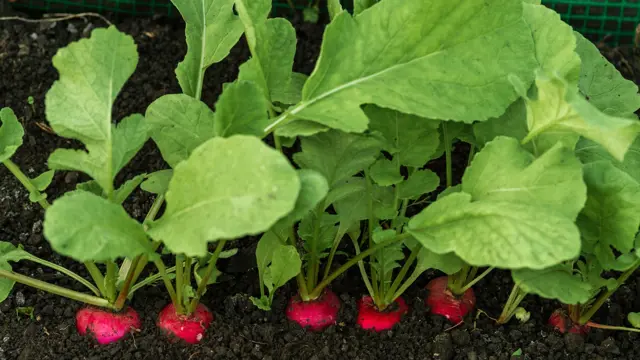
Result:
[[240, 330]]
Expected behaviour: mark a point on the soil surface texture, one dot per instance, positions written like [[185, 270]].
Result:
[[240, 330]]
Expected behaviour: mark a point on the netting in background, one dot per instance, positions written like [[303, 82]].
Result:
[[614, 21]]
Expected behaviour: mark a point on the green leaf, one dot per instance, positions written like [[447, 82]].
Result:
[[419, 183], [386, 260], [301, 128], [8, 253], [326, 236], [634, 319], [123, 192], [90, 186], [337, 155], [128, 138], [385, 172], [285, 265], [228, 188], [86, 227], [157, 182], [178, 124], [589, 151], [42, 181], [611, 216], [448, 263], [268, 242], [293, 94], [362, 5], [11, 133], [603, 85], [78, 105], [412, 140], [556, 282], [311, 14], [504, 171], [262, 303], [345, 189], [313, 189], [241, 109], [211, 31], [334, 8], [496, 233], [559, 113], [416, 65], [273, 46], [513, 123]]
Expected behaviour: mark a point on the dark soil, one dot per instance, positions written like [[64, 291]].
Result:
[[239, 331]]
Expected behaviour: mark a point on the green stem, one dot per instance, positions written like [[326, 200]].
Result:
[[414, 276], [300, 278], [25, 181], [370, 222], [207, 275], [187, 271], [457, 280], [55, 289], [472, 152], [609, 327], [363, 270], [447, 149], [313, 265], [97, 277], [67, 272], [179, 278], [403, 272], [353, 261], [332, 253], [584, 318], [144, 259], [124, 292], [162, 270], [475, 281], [149, 280], [515, 298], [110, 280]]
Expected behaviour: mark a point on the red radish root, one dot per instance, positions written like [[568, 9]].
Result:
[[559, 321], [315, 314], [189, 328], [370, 318], [443, 302], [106, 326]]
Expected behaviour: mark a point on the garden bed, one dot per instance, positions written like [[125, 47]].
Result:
[[240, 330]]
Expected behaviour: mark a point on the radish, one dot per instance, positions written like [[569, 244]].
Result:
[[315, 314], [371, 318], [443, 302], [189, 328], [559, 321], [106, 326]]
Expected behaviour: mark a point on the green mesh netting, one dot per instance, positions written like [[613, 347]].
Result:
[[614, 19]]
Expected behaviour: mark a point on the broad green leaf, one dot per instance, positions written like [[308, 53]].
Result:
[[410, 139], [128, 138], [496, 233], [362, 5], [634, 319], [337, 155], [345, 189], [313, 189], [211, 31], [11, 133], [385, 172], [293, 94], [241, 109], [513, 123], [78, 105], [86, 227], [268, 242], [559, 113], [273, 46], [589, 151], [435, 59], [554, 42], [228, 188], [419, 183], [334, 8], [301, 128], [178, 124], [157, 182], [556, 282], [122, 193], [504, 171], [285, 265], [611, 216], [603, 85], [447, 263]]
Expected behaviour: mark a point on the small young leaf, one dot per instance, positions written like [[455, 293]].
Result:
[[178, 124], [334, 8], [42, 181], [86, 227], [345, 189], [385, 173], [504, 171], [285, 265], [157, 182], [337, 155], [261, 303], [419, 183], [556, 282], [380, 235], [90, 186], [228, 188], [241, 109], [448, 263], [211, 31], [522, 314], [9, 253], [128, 138], [634, 319], [269, 241], [496, 233], [11, 133], [311, 14], [122, 193]]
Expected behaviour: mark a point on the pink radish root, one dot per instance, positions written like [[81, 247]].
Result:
[[190, 328], [370, 318], [443, 302], [106, 326], [559, 320], [315, 314]]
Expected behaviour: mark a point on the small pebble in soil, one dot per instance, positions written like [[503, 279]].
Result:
[[574, 342], [609, 346], [19, 298], [442, 347]]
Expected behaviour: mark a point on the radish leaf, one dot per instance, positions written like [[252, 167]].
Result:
[[496, 233], [241, 109], [419, 183], [557, 282], [11, 133], [9, 253], [211, 31], [228, 188], [123, 192], [385, 172], [157, 182], [87, 227]]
